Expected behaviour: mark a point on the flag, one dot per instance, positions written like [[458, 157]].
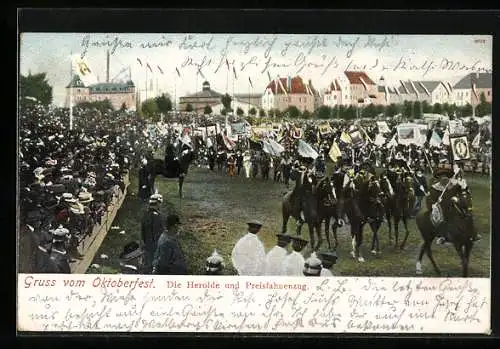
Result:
[[383, 127], [178, 72], [234, 72], [149, 67], [356, 137], [446, 137], [138, 60], [269, 76], [334, 152], [435, 140], [474, 90], [289, 83], [250, 81], [227, 63], [392, 143], [306, 151], [161, 71], [409, 134], [344, 137], [379, 140], [81, 67], [476, 140], [460, 148]]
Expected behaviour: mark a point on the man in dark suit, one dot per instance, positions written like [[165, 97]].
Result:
[[152, 226], [169, 258]]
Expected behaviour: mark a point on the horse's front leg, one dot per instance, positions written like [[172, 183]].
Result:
[[374, 226], [181, 183], [299, 224], [327, 232], [407, 232], [397, 218]]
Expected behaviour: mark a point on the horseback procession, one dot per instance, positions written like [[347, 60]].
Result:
[[337, 179]]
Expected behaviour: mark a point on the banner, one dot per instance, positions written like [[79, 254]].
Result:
[[379, 140], [148, 303], [271, 147], [435, 140], [81, 67], [335, 152], [356, 137], [306, 151], [325, 129], [460, 148], [409, 134], [383, 127]]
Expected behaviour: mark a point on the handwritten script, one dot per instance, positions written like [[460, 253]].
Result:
[[128, 303], [264, 54]]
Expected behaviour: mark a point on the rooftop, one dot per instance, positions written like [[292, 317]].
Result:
[[356, 76], [297, 86], [483, 80]]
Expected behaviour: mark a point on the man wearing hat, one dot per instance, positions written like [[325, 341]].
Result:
[[248, 255], [275, 257], [58, 253], [169, 258], [214, 264], [152, 226], [328, 259], [293, 264], [421, 188], [144, 189], [132, 259], [312, 266]]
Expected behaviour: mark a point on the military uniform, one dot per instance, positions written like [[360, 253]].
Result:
[[248, 255], [293, 263], [152, 226], [169, 258], [275, 257]]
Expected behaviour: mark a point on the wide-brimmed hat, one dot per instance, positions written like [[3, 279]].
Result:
[[156, 198], [312, 265], [283, 238], [255, 223], [77, 208], [60, 233], [85, 197], [131, 251], [68, 197], [328, 259], [298, 243]]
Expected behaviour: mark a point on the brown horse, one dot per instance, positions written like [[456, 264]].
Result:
[[301, 204], [329, 206], [370, 198], [459, 223]]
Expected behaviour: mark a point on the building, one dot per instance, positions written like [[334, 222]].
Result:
[[333, 94], [201, 99], [118, 93], [362, 89], [286, 92], [463, 93], [254, 99], [235, 104]]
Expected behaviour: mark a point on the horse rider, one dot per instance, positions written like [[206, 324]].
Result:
[[132, 259], [152, 226], [421, 189]]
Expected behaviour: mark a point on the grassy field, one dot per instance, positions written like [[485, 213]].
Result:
[[215, 208]]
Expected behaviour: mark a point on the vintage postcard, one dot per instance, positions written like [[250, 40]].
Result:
[[254, 183]]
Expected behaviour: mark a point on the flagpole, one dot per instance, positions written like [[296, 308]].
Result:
[[146, 82], [71, 92]]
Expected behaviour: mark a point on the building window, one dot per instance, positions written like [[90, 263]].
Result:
[[489, 93], [335, 97]]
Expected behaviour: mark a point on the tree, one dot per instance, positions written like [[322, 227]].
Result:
[[272, 113], [149, 108], [417, 110], [292, 112], [350, 113], [446, 108], [324, 112], [484, 108], [426, 107], [392, 110], [102, 106], [437, 109], [189, 107], [379, 110], [252, 111], [226, 101], [278, 113], [36, 86], [164, 103], [407, 109], [239, 112], [262, 113], [369, 111], [467, 110], [207, 110], [306, 114]]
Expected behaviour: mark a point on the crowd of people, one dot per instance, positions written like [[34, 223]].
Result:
[[69, 178]]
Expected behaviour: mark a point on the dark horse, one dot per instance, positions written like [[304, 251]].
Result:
[[302, 196], [399, 200], [459, 223], [329, 206], [176, 164], [372, 207]]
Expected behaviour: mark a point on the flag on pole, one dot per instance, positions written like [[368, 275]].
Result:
[[140, 62], [81, 67], [227, 63], [334, 152], [269, 76], [364, 83], [476, 140], [250, 81], [446, 137], [460, 148], [149, 67], [234, 72], [161, 71], [435, 140], [344, 137], [178, 72], [474, 89]]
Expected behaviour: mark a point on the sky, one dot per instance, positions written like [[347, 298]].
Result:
[[319, 58]]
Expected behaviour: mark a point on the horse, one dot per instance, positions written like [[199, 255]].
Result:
[[459, 224], [372, 208], [404, 202], [329, 206], [172, 166], [302, 196]]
